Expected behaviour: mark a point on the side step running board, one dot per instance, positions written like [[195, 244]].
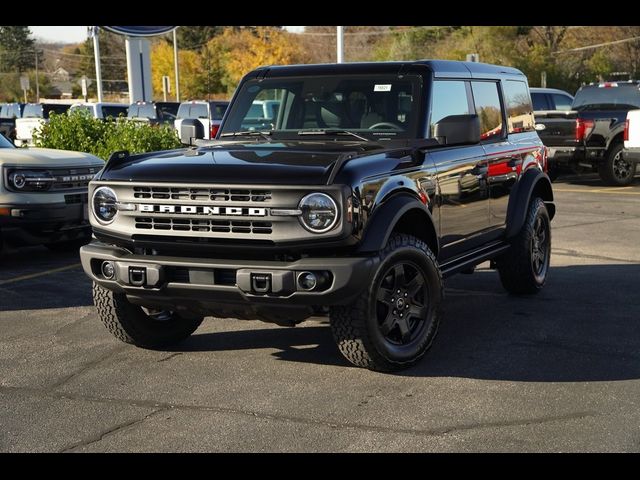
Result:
[[473, 258]]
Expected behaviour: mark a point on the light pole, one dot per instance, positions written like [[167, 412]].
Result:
[[93, 31], [340, 43], [175, 63]]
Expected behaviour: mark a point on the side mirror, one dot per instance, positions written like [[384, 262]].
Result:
[[190, 130], [457, 130]]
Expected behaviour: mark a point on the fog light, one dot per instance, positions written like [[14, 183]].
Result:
[[108, 270], [307, 281]]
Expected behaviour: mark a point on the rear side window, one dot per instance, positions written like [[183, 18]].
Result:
[[519, 108], [487, 103], [448, 97], [218, 111], [562, 102]]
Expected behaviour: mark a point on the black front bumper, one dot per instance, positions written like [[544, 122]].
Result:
[[33, 224], [211, 285]]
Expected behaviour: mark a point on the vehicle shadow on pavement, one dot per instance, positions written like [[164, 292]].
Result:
[[309, 344], [583, 326]]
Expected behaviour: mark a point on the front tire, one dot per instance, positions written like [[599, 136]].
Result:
[[394, 321], [131, 324], [523, 268], [615, 170]]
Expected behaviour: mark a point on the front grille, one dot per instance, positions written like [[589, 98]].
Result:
[[213, 194], [198, 225], [72, 178]]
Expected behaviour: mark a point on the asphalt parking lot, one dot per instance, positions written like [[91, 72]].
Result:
[[556, 372]]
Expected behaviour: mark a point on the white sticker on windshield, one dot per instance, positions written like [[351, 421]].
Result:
[[382, 88]]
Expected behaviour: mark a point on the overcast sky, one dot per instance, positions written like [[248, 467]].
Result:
[[77, 34]]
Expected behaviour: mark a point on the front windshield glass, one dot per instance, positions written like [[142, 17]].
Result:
[[373, 106]]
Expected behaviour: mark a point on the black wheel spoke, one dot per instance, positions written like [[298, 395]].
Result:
[[385, 295], [405, 332], [415, 285], [388, 323], [417, 311], [398, 277]]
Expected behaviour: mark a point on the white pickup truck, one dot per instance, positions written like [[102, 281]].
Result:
[[631, 150], [33, 116]]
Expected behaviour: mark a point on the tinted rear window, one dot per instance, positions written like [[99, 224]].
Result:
[[32, 111], [114, 111], [193, 110], [624, 97], [539, 101], [57, 109]]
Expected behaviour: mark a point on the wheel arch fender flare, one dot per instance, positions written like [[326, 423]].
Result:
[[533, 182], [389, 213]]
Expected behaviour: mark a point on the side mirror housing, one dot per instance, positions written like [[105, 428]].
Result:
[[457, 130], [190, 130]]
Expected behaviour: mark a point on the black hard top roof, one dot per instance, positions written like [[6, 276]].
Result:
[[440, 68]]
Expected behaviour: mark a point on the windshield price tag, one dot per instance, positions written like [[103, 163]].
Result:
[[382, 88]]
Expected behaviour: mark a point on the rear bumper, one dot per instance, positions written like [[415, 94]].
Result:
[[579, 156], [207, 284], [632, 154], [33, 224]]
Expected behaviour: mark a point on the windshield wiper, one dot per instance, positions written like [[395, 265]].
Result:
[[250, 133], [334, 131]]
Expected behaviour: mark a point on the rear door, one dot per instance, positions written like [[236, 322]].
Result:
[[462, 174], [503, 161]]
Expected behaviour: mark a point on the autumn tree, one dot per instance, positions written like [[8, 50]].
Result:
[[236, 52], [190, 71]]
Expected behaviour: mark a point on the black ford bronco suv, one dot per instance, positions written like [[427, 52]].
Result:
[[372, 183]]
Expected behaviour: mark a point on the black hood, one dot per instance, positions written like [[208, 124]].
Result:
[[291, 163]]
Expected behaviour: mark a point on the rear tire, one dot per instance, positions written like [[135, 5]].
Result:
[[131, 324], [614, 169], [385, 330], [523, 268]]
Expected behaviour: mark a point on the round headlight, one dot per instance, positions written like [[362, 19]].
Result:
[[18, 180], [104, 204], [319, 212]]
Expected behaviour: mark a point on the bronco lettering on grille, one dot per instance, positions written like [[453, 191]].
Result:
[[203, 210]]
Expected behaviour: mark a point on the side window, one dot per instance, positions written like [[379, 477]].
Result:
[[539, 101], [448, 97], [519, 108], [562, 102], [487, 103]]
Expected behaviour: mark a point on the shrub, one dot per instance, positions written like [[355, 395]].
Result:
[[81, 132]]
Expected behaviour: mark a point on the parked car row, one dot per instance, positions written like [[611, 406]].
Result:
[[589, 133]]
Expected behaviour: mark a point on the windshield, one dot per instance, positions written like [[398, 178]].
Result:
[[4, 143], [374, 106], [625, 97], [33, 110]]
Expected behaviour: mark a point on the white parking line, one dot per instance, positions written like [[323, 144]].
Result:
[[39, 274]]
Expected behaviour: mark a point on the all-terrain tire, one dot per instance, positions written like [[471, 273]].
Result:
[[523, 268], [357, 329], [129, 323], [614, 169]]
